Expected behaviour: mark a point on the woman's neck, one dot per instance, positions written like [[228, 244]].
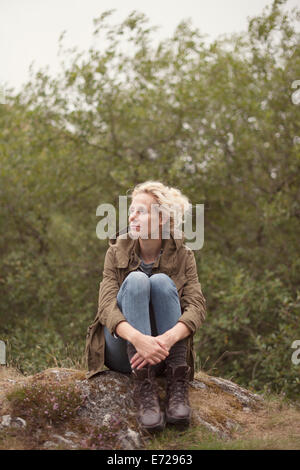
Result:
[[149, 249]]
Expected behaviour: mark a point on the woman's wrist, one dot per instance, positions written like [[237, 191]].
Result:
[[170, 337], [175, 334], [135, 337], [127, 332]]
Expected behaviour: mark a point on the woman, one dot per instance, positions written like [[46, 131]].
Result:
[[150, 305]]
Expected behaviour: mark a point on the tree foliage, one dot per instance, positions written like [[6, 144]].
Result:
[[221, 122]]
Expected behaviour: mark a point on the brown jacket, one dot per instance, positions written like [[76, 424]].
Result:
[[177, 261]]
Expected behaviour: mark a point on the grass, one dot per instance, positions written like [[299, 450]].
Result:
[[199, 438], [275, 427]]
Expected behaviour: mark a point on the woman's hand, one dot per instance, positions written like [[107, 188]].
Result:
[[166, 341], [149, 351]]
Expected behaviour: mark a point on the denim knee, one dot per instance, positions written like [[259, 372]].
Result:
[[135, 283], [162, 282], [165, 301], [133, 300]]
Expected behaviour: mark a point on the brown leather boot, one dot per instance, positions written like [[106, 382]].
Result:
[[178, 410], [149, 415]]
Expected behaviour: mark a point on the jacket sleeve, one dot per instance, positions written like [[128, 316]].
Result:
[[192, 300], [109, 313]]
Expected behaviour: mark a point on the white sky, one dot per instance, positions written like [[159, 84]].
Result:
[[30, 28]]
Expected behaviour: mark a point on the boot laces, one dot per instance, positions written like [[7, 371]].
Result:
[[178, 390], [148, 395]]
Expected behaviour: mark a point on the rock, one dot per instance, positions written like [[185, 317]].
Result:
[[108, 405], [65, 441], [129, 439], [107, 419], [133, 436], [108, 397], [20, 422], [222, 405], [70, 434], [244, 396], [211, 427], [198, 384], [49, 444], [5, 421]]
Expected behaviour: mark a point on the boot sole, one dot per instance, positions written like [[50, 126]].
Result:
[[156, 428], [179, 422]]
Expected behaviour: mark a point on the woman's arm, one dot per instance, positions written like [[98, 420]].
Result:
[[173, 335], [109, 313], [192, 300]]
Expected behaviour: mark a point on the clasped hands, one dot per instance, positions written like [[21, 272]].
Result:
[[151, 349]]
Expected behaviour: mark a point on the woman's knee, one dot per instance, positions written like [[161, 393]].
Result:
[[161, 282], [135, 284], [137, 281]]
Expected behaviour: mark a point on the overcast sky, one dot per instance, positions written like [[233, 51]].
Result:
[[30, 28]]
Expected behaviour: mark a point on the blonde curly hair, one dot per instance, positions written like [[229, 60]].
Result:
[[172, 203]]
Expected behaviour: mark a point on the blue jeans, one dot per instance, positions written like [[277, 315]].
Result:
[[133, 299]]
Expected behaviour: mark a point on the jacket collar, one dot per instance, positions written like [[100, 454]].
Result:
[[127, 249]]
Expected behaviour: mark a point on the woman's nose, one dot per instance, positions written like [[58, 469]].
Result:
[[132, 216]]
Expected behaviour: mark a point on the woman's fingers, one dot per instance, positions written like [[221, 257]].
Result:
[[160, 354], [136, 360], [140, 366], [163, 346], [135, 357], [141, 362], [137, 363], [162, 349]]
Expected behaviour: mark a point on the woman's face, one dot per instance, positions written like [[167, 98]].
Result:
[[140, 217]]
